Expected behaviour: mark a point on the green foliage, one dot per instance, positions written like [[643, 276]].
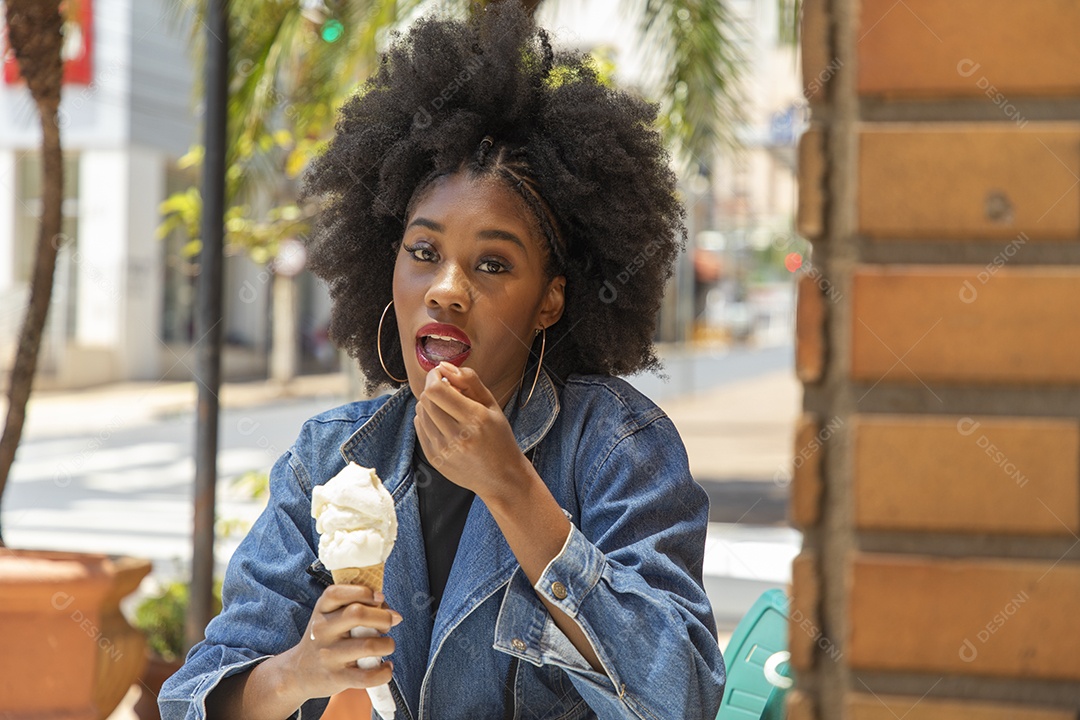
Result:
[[258, 234], [599, 61], [291, 68], [698, 44], [252, 485], [790, 18], [162, 616]]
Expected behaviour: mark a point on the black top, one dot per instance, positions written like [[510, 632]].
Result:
[[444, 507]]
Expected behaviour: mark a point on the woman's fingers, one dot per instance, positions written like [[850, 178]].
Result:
[[426, 432], [336, 597], [366, 678], [340, 622], [468, 383], [347, 651], [343, 607], [445, 423]]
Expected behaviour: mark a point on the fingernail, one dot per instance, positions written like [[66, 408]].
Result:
[[379, 597], [395, 619]]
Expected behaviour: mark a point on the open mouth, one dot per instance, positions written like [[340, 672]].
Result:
[[439, 342]]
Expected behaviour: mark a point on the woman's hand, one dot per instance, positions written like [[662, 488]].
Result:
[[465, 434], [327, 664], [321, 664]]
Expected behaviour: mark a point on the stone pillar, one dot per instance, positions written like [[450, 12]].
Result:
[[937, 477], [142, 350], [118, 265], [99, 262]]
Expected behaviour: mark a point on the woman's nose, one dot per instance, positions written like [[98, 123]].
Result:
[[450, 289]]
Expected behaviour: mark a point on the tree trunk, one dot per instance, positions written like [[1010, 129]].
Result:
[[35, 34]]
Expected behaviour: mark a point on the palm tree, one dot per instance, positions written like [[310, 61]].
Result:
[[295, 61], [695, 44], [35, 34]]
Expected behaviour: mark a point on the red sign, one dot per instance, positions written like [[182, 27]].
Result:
[[78, 45]]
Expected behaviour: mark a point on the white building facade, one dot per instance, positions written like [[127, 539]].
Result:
[[121, 307]]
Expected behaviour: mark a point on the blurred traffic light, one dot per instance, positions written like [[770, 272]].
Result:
[[332, 30]]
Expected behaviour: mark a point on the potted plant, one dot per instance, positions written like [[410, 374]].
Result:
[[161, 619]]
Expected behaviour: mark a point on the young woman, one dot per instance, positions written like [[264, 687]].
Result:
[[497, 233]]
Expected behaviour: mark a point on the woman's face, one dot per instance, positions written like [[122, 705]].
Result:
[[469, 283]]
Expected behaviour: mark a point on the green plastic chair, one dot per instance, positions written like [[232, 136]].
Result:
[[758, 669]]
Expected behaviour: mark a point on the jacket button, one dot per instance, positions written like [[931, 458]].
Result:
[[517, 644], [558, 590]]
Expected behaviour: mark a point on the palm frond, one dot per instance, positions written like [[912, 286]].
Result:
[[698, 48], [285, 74], [790, 17]]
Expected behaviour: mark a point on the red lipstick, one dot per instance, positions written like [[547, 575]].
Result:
[[440, 342]]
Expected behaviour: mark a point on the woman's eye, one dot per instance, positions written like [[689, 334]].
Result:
[[492, 266], [421, 253]]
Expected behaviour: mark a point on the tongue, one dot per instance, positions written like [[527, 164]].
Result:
[[443, 349]]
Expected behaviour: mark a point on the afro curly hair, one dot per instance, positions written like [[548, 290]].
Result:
[[489, 96]]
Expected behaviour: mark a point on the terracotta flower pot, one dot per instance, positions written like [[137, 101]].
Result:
[[66, 648], [123, 660]]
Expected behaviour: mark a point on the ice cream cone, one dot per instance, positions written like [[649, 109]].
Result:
[[370, 576], [355, 517]]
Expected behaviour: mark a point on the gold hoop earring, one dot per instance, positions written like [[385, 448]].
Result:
[[543, 343], [378, 344]]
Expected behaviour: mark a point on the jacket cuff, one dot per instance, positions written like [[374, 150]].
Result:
[[524, 627], [571, 574]]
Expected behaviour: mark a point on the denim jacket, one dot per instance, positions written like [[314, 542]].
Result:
[[630, 572]]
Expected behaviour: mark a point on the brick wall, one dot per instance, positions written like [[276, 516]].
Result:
[[937, 477]]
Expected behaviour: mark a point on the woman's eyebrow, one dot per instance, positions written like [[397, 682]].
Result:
[[483, 234], [429, 224], [502, 235]]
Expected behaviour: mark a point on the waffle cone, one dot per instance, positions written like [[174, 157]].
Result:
[[370, 576]]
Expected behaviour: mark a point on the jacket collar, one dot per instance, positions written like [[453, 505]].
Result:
[[484, 561]]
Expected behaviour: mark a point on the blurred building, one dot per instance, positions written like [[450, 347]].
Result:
[[123, 298], [743, 203], [749, 225]]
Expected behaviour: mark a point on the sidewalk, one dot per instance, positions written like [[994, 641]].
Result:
[[131, 404], [742, 430], [739, 437]]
